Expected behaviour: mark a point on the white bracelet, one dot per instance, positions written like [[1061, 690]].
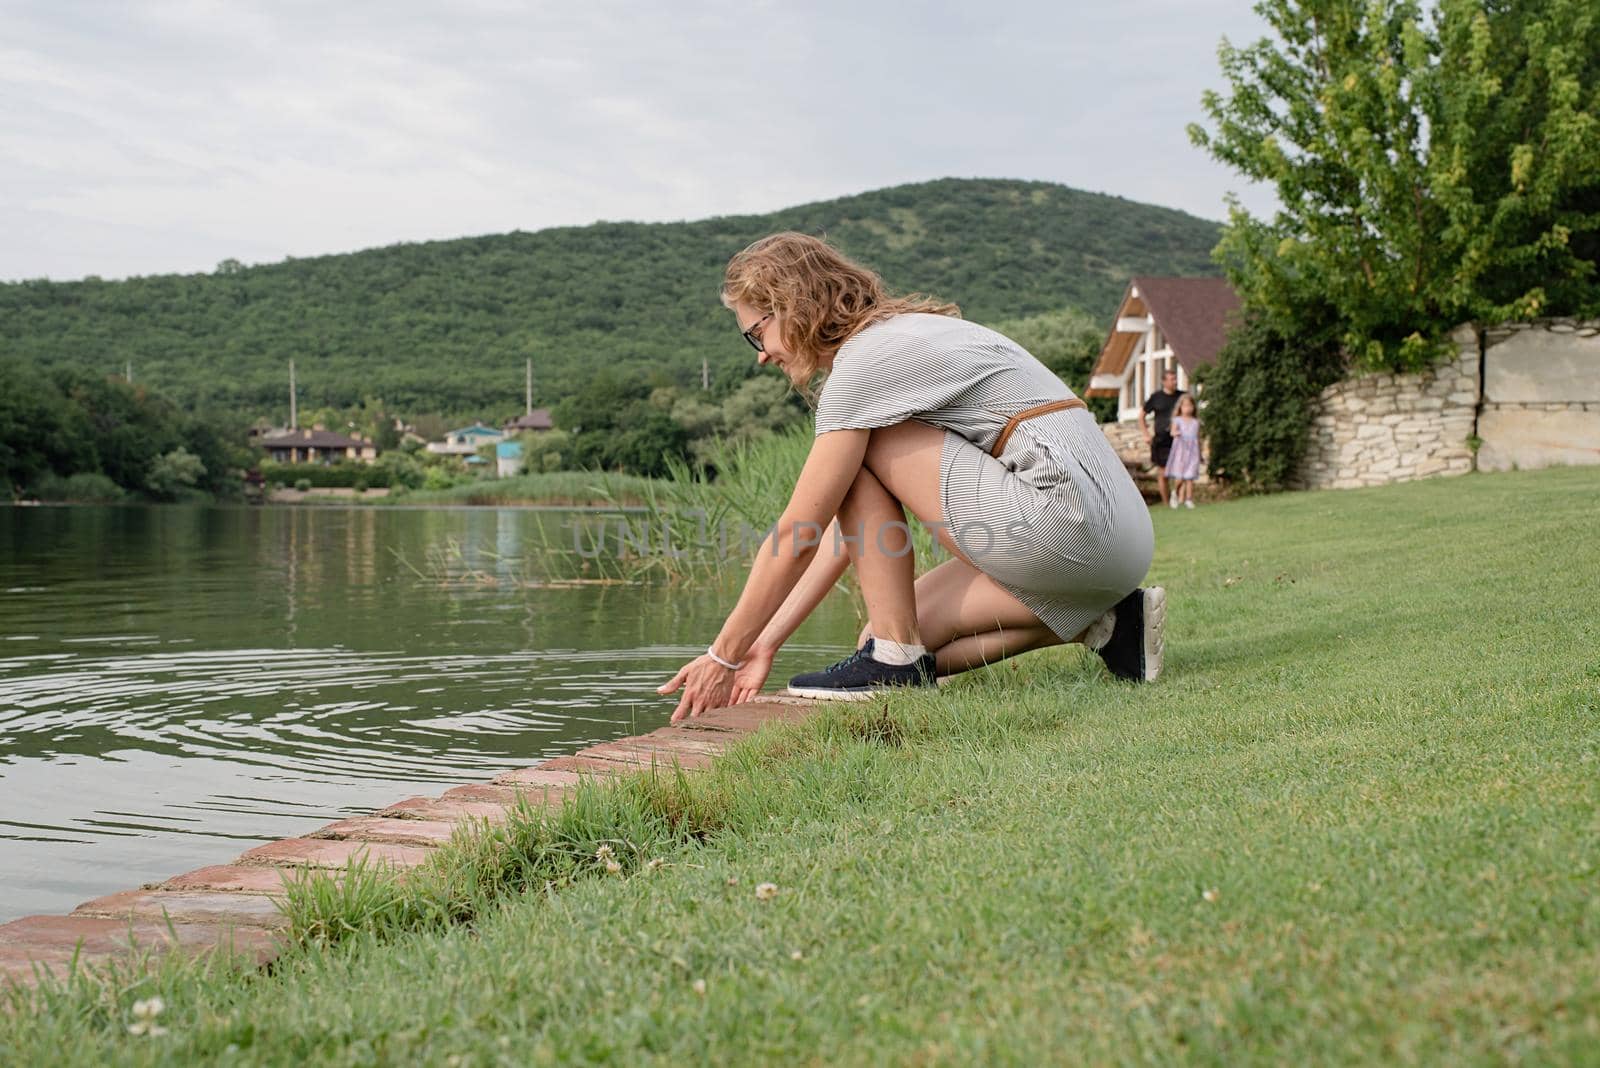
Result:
[[724, 663]]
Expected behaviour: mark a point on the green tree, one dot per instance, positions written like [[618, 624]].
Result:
[[544, 450], [759, 405], [1066, 341], [1426, 174], [41, 432], [401, 468], [1516, 113], [174, 473]]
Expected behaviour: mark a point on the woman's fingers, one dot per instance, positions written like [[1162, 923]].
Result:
[[676, 680], [704, 687]]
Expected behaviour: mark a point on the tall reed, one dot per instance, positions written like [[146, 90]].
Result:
[[702, 523]]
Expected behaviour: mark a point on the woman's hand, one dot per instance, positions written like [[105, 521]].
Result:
[[752, 675], [706, 685]]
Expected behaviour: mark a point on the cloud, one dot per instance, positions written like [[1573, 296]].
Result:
[[151, 137]]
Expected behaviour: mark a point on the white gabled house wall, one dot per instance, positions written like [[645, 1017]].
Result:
[[1162, 324], [1150, 360]]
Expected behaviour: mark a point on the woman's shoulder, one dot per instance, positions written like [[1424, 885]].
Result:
[[912, 333]]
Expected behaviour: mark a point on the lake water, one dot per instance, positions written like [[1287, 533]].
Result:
[[178, 684]]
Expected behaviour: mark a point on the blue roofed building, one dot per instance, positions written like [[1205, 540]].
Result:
[[508, 459]]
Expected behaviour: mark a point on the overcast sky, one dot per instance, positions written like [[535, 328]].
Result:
[[142, 137]]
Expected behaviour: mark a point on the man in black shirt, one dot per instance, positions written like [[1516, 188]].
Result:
[[1161, 404]]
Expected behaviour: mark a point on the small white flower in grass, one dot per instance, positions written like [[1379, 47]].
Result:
[[699, 986], [766, 891], [733, 880], [612, 866], [797, 955], [603, 853], [655, 864], [1211, 895], [144, 1018]]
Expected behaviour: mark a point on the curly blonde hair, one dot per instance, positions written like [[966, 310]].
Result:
[[821, 297]]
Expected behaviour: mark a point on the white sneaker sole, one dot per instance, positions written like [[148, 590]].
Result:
[[1155, 631], [819, 694]]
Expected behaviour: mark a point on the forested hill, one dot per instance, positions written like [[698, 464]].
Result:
[[445, 326]]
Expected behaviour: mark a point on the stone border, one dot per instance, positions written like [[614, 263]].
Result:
[[232, 908]]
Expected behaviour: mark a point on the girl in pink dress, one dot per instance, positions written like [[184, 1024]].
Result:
[[1183, 464]]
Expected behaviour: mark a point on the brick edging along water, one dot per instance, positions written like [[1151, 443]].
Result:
[[232, 908]]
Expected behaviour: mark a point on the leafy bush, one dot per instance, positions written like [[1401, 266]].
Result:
[[173, 473], [397, 470], [86, 487], [301, 485], [440, 478], [326, 476], [1259, 398]]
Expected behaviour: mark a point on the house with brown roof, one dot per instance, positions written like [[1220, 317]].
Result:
[[1162, 324], [316, 446], [533, 419]]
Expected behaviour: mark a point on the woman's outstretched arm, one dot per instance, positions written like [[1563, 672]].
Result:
[[831, 467], [826, 567]]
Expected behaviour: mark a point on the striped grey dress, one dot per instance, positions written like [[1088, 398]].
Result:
[[1055, 519]]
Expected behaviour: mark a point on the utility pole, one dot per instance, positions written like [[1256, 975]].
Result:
[[529, 388], [128, 372], [705, 374], [294, 416]]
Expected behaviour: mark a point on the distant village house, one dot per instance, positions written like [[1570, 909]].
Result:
[[534, 419], [316, 446], [466, 441]]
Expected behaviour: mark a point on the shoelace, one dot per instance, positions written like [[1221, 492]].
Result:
[[859, 654]]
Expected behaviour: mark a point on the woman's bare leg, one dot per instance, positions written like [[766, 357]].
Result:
[[872, 525], [963, 616], [968, 620], [980, 650]]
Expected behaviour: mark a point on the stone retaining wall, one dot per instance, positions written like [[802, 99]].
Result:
[[1528, 394], [1541, 395], [1128, 441], [1382, 428]]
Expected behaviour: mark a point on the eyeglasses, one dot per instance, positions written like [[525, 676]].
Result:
[[753, 335]]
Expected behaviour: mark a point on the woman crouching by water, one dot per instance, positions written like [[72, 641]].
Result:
[[924, 412]]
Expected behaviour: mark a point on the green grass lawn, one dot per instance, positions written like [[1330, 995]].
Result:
[[1357, 819]]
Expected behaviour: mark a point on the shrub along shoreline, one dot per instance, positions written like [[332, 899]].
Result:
[[1355, 820]]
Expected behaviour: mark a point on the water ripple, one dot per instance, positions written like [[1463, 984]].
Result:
[[331, 711]]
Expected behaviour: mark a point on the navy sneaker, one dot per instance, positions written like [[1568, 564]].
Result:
[[858, 677], [1138, 638]]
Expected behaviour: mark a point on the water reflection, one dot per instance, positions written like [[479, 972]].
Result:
[[172, 677]]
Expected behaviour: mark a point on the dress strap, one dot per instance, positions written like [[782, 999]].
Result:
[[1029, 413]]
